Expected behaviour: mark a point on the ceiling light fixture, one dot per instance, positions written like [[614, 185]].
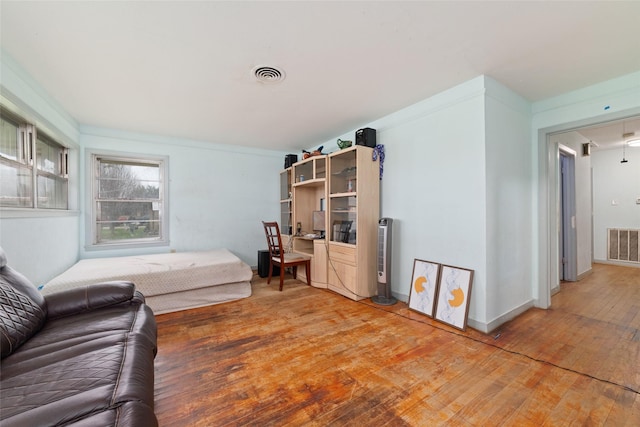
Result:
[[634, 142], [624, 143], [267, 74], [631, 140]]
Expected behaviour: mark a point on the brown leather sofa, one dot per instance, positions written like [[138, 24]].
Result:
[[82, 357]]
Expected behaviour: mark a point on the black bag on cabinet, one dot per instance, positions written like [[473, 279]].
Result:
[[290, 159], [366, 137]]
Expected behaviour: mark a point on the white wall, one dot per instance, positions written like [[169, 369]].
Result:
[[619, 182], [574, 141], [434, 189], [39, 244], [509, 205], [42, 247], [218, 194]]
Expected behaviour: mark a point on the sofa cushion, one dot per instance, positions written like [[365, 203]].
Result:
[[89, 298], [20, 317], [23, 309], [23, 285]]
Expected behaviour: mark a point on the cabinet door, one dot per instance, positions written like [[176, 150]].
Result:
[[319, 263], [285, 184], [342, 278], [285, 217], [342, 253], [343, 219], [285, 202], [344, 172]]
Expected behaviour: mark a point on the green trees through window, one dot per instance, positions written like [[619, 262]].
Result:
[[128, 199]]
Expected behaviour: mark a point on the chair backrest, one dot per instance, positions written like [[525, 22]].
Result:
[[274, 241]]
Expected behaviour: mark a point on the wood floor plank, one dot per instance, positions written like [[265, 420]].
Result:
[[626, 411], [310, 357]]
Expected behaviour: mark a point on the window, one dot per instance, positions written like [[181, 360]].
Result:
[[129, 200], [33, 167]]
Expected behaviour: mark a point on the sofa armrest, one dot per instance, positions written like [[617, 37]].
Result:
[[90, 297]]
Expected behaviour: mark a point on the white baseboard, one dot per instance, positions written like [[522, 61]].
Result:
[[400, 297], [619, 263], [494, 324], [585, 274], [482, 326]]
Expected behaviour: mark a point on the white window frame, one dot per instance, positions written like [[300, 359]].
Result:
[[91, 236], [26, 156]]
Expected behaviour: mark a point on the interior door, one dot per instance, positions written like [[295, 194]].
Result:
[[568, 260]]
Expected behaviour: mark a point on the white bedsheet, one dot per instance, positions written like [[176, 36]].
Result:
[[157, 274]]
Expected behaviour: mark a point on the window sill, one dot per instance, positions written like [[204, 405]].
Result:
[[36, 213], [125, 245]]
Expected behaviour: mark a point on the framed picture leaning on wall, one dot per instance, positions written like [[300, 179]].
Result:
[[424, 283], [454, 291]]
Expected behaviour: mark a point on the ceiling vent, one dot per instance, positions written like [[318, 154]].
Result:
[[268, 74]]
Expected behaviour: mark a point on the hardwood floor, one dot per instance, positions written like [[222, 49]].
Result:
[[306, 356]]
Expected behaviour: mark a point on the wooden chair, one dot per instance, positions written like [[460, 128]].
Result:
[[279, 258]]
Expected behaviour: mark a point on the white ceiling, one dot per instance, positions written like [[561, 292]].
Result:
[[183, 69]]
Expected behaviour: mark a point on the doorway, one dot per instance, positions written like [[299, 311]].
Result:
[[567, 236], [604, 134]]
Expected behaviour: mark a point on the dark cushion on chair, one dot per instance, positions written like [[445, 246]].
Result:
[[23, 309], [23, 285], [20, 318]]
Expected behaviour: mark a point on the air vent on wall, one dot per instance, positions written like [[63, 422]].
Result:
[[624, 245], [266, 74]]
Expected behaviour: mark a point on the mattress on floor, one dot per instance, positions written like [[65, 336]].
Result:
[[200, 297], [158, 274]]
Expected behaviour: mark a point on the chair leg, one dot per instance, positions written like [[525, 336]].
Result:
[[270, 272], [281, 276], [308, 268], [294, 270]]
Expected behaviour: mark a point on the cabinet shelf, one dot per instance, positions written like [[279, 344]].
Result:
[[346, 172], [305, 245], [310, 183], [308, 252], [344, 245]]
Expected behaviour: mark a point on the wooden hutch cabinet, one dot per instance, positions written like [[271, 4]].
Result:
[[341, 190]]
